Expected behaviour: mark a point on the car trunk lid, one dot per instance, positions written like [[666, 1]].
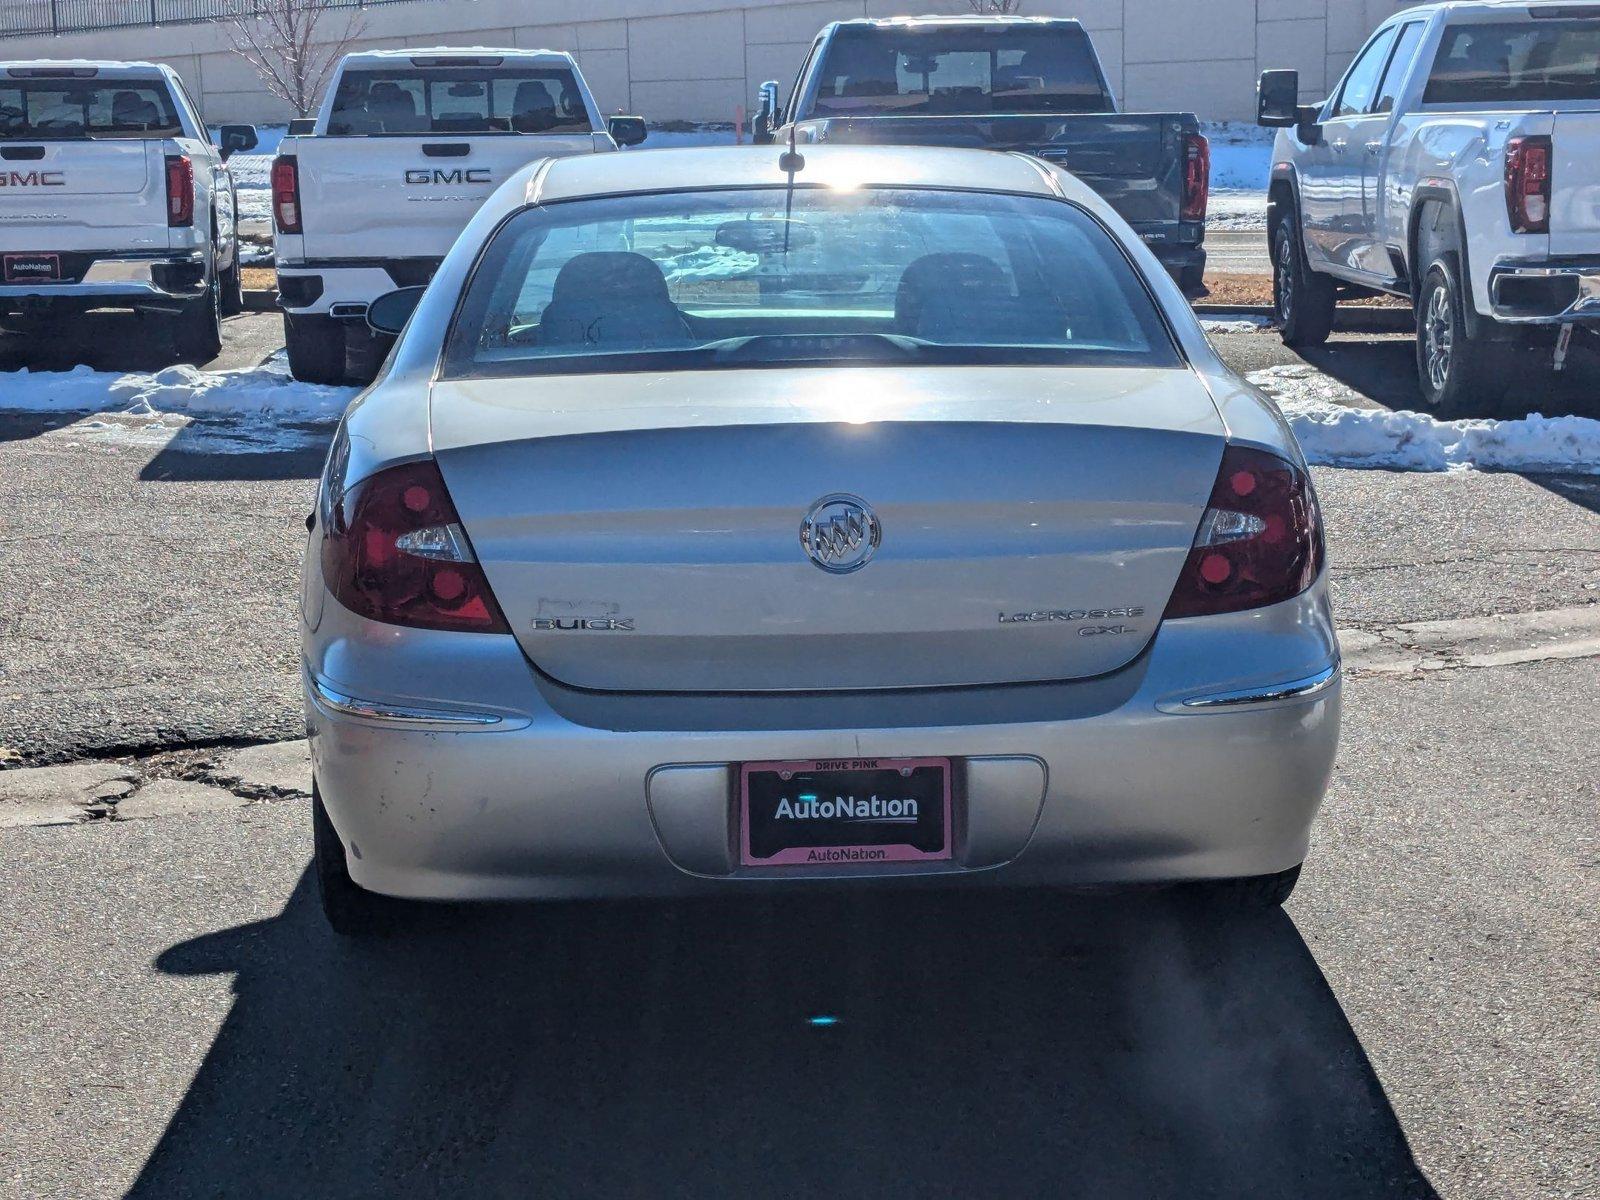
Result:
[[643, 532]]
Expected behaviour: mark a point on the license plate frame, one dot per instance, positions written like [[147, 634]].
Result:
[[929, 782], [43, 267]]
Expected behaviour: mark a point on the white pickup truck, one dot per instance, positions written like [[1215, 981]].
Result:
[[113, 195], [407, 145], [1457, 163]]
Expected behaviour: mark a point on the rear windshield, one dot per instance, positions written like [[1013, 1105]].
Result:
[[1513, 62], [1005, 69], [53, 109], [457, 100], [707, 280]]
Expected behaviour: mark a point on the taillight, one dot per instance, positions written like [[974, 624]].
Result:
[[180, 190], [393, 550], [286, 193], [1259, 542], [1196, 177], [1528, 183]]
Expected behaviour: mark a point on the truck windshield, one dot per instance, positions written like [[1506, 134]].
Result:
[[1512, 62], [735, 279], [413, 100], [950, 69], [54, 109]]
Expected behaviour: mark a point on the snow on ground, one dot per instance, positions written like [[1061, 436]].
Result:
[[1336, 435], [1241, 168], [1235, 324], [216, 411]]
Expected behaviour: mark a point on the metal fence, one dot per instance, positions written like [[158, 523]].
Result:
[[22, 17]]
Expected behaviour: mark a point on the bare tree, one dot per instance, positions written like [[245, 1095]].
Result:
[[994, 7], [293, 44]]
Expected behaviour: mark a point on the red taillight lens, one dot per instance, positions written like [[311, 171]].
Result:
[[286, 193], [1528, 183], [180, 190], [393, 550], [1196, 177], [1260, 540]]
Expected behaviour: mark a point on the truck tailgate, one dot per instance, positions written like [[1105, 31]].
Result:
[[1134, 160], [1575, 184], [388, 197], [83, 195]]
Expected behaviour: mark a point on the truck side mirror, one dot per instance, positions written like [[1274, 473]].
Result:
[[236, 139], [390, 311], [1278, 99], [767, 117], [627, 131]]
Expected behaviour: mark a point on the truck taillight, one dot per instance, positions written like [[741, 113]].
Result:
[[393, 550], [1528, 183], [286, 193], [1196, 177], [180, 191], [1260, 541]]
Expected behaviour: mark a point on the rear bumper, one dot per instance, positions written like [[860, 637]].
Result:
[[111, 277], [344, 287], [1546, 293], [452, 770]]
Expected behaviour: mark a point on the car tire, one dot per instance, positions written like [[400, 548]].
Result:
[[1303, 301], [351, 911], [316, 348], [233, 287], [197, 329], [1247, 894], [1459, 374]]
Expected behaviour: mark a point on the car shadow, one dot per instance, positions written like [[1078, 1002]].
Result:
[[877, 1044]]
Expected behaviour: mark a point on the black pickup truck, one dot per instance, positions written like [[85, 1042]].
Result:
[[1005, 83]]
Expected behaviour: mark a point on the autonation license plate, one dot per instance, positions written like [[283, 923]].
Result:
[[31, 268], [827, 812]]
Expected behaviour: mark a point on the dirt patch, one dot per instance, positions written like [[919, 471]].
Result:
[[1257, 289], [259, 279]]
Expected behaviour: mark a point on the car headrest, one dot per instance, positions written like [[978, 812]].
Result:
[[610, 274], [956, 278]]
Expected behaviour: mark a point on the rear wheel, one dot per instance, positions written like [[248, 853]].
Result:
[[1248, 893], [350, 909], [197, 329], [316, 348], [1302, 300], [233, 287], [366, 350], [1459, 373]]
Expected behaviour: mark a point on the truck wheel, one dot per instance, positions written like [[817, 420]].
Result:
[[197, 329], [1302, 300], [1459, 374], [316, 348], [366, 353], [233, 287], [350, 909]]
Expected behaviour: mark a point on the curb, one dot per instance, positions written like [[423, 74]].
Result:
[[1350, 318]]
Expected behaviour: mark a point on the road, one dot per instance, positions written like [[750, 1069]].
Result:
[[177, 1022]]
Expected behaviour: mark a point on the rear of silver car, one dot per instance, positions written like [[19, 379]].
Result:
[[671, 631]]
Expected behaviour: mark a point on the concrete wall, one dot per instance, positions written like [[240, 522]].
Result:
[[698, 60]]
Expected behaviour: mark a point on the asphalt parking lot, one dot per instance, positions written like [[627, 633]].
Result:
[[1421, 1020]]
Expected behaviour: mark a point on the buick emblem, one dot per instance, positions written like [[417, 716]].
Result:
[[840, 533]]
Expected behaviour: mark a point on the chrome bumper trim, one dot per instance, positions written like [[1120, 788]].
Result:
[[1297, 689], [396, 714], [1586, 306]]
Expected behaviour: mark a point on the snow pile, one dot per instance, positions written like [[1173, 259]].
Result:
[[1241, 168], [1333, 434], [264, 393], [1235, 324]]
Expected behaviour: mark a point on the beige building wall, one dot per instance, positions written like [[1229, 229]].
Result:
[[699, 60]]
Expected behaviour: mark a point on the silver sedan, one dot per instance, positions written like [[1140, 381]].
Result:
[[728, 519]]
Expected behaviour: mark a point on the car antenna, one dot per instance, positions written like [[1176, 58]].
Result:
[[792, 162]]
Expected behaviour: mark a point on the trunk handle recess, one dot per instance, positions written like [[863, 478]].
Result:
[[15, 153], [447, 149]]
